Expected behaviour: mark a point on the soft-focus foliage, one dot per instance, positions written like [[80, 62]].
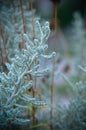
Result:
[[24, 66], [28, 81]]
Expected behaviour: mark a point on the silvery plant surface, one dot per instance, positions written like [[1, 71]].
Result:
[[19, 78]]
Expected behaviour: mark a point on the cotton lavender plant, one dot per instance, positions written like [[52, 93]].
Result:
[[15, 84], [77, 37], [74, 115], [13, 26]]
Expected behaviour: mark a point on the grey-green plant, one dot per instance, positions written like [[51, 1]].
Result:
[[13, 26], [73, 116], [23, 68]]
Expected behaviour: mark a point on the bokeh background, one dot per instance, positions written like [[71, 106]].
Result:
[[67, 20]]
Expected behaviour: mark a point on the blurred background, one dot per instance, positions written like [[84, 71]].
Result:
[[68, 38], [67, 20]]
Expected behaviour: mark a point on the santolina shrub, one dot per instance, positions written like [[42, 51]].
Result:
[[21, 70]]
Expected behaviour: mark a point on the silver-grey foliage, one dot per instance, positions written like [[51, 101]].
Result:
[[14, 84], [73, 117]]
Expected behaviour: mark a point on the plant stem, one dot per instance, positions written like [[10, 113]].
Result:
[[13, 4], [31, 4], [54, 60], [23, 20], [35, 79], [2, 62], [5, 51], [24, 27]]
